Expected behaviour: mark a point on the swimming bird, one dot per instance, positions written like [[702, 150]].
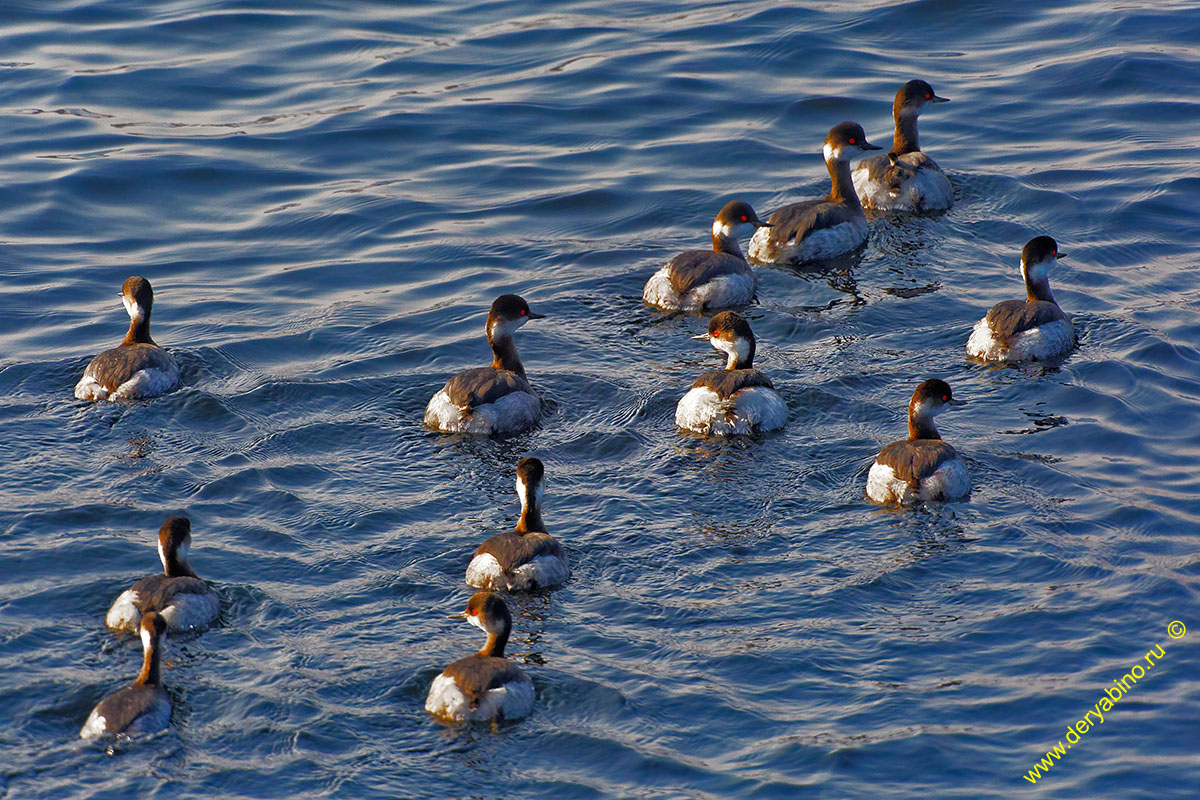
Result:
[[737, 399], [923, 467], [904, 178], [527, 558], [493, 399], [1033, 329], [819, 229], [485, 686], [142, 707], [137, 368], [181, 599], [717, 278]]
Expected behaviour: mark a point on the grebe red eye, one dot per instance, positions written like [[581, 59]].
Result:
[[928, 96], [522, 312], [851, 140], [945, 398], [473, 611], [743, 217]]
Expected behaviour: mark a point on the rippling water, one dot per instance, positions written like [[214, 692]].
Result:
[[327, 197]]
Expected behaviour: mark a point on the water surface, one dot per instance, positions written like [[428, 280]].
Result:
[[327, 196]]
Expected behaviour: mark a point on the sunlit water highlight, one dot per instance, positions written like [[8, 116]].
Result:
[[328, 196]]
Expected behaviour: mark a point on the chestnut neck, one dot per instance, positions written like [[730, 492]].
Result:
[[842, 185], [727, 244], [150, 664], [531, 517], [496, 643], [178, 568], [505, 354], [905, 139], [139, 331]]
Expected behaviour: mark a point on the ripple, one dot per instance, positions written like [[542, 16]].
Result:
[[328, 203]]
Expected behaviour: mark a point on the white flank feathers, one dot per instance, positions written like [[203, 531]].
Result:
[[124, 615], [950, 481], [96, 725], [515, 411], [925, 189], [543, 572], [1036, 344], [146, 383], [510, 701], [818, 245], [189, 612], [756, 408], [723, 291]]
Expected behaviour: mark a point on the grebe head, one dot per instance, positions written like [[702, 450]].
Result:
[[736, 219], [913, 97], [1037, 257], [489, 613], [174, 539], [845, 141], [152, 629], [730, 333], [509, 312], [530, 474], [138, 298], [928, 400]]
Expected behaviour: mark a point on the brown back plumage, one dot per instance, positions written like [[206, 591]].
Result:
[[914, 460], [116, 365], [694, 268], [156, 592], [474, 387], [513, 549], [1011, 317], [476, 675], [724, 382]]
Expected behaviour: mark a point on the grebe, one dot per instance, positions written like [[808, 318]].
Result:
[[1033, 329], [737, 399], [182, 600], [137, 368], [717, 278], [904, 178], [526, 558], [143, 706], [819, 229], [923, 467], [485, 686], [493, 399]]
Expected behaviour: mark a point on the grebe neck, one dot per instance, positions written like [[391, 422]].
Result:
[[727, 243], [495, 644], [1037, 283], [842, 185], [139, 331], [905, 139], [150, 664], [505, 354]]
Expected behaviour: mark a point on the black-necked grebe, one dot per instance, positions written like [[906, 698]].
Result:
[[819, 229], [737, 399], [922, 467], [493, 399], [136, 368]]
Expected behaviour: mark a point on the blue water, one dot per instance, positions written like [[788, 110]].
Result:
[[327, 196]]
